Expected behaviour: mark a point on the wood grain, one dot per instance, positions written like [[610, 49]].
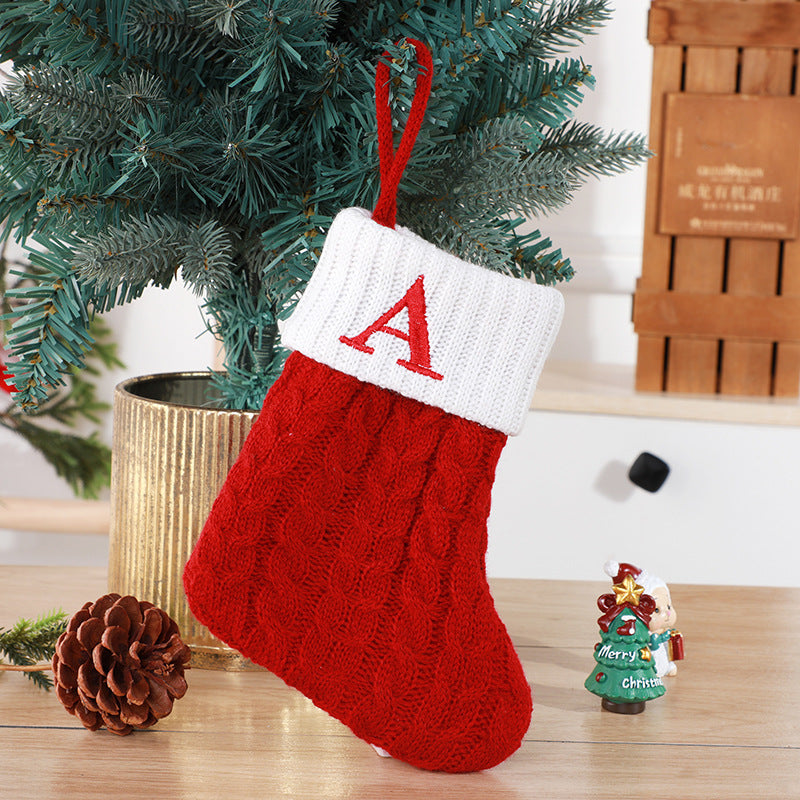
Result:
[[754, 266], [54, 516], [656, 247], [721, 24], [725, 728], [727, 316], [610, 389], [787, 355], [699, 261]]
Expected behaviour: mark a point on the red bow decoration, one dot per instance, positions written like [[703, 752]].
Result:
[[607, 603]]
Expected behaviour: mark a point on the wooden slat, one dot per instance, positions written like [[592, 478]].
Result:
[[787, 357], [667, 71], [786, 379], [657, 247], [746, 367], [727, 316], [724, 24], [787, 354], [699, 262], [753, 265], [54, 516]]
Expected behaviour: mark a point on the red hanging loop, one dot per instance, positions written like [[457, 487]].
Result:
[[392, 164]]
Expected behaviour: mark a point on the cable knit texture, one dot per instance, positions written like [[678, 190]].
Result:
[[489, 334], [345, 553]]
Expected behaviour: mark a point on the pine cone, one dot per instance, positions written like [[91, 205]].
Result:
[[120, 663]]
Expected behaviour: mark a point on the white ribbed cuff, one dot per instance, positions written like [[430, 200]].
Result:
[[389, 308]]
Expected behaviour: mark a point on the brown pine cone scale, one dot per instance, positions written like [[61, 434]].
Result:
[[120, 664]]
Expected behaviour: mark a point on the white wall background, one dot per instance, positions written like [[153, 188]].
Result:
[[562, 501], [727, 513]]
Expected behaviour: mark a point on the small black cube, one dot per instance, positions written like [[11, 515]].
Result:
[[649, 472]]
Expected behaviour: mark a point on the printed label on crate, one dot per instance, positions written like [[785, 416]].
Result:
[[731, 166]]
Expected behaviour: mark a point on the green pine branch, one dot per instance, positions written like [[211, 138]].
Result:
[[21, 146], [563, 25], [554, 93], [30, 641], [247, 325], [77, 31], [281, 39], [151, 251], [206, 256], [488, 241], [78, 105], [245, 162], [50, 332], [546, 94], [293, 246], [175, 28], [535, 257], [501, 175], [587, 151], [83, 461], [224, 16], [470, 28], [49, 426], [140, 251]]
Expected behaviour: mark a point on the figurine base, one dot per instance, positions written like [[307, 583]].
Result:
[[623, 708]]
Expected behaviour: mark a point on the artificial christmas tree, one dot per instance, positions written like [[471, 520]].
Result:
[[217, 141], [625, 675]]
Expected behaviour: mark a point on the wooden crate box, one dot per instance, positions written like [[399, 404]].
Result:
[[717, 307]]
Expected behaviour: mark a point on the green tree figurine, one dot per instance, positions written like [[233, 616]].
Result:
[[625, 675], [145, 139]]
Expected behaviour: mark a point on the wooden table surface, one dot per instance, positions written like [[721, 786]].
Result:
[[728, 726]]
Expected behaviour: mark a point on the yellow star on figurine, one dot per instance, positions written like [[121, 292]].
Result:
[[628, 591]]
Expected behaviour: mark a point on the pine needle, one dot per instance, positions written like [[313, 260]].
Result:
[[31, 641]]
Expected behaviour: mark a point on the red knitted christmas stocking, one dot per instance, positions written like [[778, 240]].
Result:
[[345, 551]]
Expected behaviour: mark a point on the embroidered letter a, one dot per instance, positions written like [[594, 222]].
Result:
[[419, 359]]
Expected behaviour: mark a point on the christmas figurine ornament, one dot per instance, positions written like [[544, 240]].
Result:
[[666, 642], [120, 664], [625, 675], [346, 549]]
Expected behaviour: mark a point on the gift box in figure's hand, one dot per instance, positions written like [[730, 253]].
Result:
[[676, 646]]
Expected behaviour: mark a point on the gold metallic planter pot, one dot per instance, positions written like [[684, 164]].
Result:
[[171, 455]]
